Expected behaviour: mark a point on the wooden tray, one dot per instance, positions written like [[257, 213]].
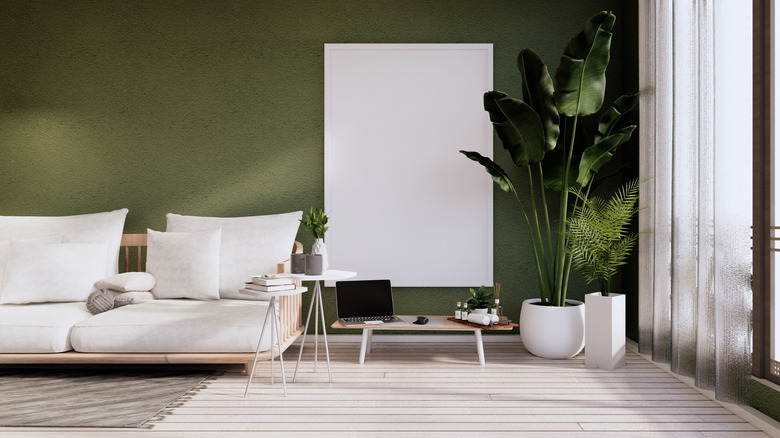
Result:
[[507, 326]]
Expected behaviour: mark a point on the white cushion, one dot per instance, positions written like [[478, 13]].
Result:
[[127, 282], [39, 328], [137, 297], [6, 246], [60, 272], [175, 326], [250, 245], [185, 265], [84, 228]]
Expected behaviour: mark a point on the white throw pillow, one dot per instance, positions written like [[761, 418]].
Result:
[[185, 265], [6, 246], [250, 245], [127, 282], [84, 228], [60, 272]]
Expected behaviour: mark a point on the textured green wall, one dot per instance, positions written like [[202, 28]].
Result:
[[216, 107]]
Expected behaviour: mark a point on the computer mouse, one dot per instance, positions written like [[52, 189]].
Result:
[[421, 320]]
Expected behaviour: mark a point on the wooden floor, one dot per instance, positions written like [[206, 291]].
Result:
[[439, 390]]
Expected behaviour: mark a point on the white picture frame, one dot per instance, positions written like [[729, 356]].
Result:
[[404, 203]]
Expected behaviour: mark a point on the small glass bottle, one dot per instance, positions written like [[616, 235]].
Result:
[[464, 313], [457, 311], [494, 310]]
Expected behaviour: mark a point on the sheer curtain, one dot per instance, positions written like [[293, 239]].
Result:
[[695, 152]]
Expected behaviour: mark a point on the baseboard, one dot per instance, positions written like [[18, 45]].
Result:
[[413, 338]]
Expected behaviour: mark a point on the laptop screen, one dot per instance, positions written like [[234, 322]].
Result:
[[364, 298]]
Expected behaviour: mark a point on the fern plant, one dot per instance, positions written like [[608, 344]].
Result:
[[598, 233]]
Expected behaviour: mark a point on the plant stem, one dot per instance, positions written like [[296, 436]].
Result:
[[544, 268], [544, 203], [560, 252], [539, 277]]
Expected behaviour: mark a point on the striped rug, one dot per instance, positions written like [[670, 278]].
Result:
[[105, 396]]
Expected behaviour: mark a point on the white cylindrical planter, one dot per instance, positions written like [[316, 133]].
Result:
[[550, 331], [605, 331]]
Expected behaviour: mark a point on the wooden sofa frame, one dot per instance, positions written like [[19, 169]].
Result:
[[289, 315]]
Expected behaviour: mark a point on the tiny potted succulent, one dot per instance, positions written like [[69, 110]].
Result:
[[480, 300], [315, 221]]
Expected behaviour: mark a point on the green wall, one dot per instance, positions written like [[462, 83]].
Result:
[[216, 107]]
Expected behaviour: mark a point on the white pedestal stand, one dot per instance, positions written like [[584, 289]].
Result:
[[605, 331]]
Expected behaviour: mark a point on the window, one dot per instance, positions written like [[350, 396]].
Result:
[[766, 193]]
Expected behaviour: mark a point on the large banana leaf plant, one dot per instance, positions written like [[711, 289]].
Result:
[[543, 134]]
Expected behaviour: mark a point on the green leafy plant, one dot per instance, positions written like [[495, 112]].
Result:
[[315, 221], [480, 298], [544, 136], [598, 233]]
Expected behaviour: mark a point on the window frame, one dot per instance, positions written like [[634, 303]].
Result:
[[762, 280]]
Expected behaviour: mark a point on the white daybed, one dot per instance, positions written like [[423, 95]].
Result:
[[168, 331]]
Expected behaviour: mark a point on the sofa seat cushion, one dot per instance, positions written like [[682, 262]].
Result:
[[39, 328], [175, 326]]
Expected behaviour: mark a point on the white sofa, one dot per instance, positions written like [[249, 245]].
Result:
[[44, 316]]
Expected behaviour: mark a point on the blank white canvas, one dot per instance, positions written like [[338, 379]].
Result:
[[404, 203]]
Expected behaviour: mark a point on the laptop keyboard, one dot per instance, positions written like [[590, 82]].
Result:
[[369, 318]]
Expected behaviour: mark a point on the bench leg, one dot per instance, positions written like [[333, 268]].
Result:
[[363, 345], [370, 338], [480, 350]]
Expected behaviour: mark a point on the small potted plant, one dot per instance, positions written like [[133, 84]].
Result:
[[479, 302], [599, 242], [315, 221]]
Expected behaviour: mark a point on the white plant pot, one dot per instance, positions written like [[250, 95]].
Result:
[[319, 248], [605, 331], [553, 332], [480, 310]]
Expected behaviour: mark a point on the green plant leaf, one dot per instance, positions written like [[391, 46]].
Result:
[[617, 115], [599, 154], [518, 126], [496, 172], [554, 162], [538, 92], [580, 79], [315, 221]]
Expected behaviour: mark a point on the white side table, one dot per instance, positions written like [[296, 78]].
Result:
[[316, 303], [274, 330]]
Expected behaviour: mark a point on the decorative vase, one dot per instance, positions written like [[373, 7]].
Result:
[[553, 332], [605, 331], [319, 248]]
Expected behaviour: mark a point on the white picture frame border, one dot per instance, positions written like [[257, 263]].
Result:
[[426, 218]]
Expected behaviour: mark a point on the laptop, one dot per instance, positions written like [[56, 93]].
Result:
[[365, 302]]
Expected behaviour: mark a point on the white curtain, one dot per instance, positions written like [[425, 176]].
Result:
[[695, 128]]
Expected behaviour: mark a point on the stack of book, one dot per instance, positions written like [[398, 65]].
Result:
[[270, 283]]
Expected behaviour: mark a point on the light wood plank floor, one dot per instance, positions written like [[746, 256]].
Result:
[[439, 390]]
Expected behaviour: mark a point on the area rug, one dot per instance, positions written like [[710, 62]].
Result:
[[91, 397]]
